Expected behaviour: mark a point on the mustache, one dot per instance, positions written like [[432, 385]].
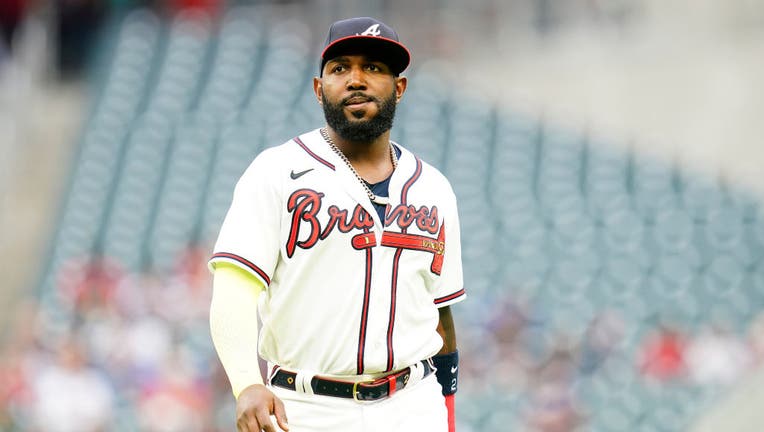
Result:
[[360, 95]]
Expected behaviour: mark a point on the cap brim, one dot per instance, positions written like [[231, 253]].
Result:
[[389, 51]]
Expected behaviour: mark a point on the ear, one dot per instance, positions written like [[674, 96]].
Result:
[[401, 82], [318, 90]]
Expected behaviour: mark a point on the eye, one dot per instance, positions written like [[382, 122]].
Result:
[[338, 68], [373, 67]]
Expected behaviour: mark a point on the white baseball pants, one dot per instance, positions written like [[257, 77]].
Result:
[[417, 407]]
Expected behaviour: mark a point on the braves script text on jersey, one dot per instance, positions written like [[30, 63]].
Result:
[[347, 293]]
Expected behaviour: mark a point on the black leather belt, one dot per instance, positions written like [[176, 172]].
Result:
[[379, 388]]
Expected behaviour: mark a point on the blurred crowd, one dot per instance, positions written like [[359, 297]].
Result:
[[714, 355], [517, 359], [115, 351]]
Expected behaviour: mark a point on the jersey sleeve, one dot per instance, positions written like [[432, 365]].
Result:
[[249, 236], [449, 288]]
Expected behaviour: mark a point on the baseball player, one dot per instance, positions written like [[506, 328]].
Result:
[[347, 245]]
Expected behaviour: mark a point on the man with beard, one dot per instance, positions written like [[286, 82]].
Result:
[[348, 246]]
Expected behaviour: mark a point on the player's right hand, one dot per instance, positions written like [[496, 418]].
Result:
[[254, 408]]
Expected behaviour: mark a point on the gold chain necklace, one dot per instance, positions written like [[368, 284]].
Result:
[[374, 198]]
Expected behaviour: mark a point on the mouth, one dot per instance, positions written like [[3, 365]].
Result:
[[356, 102]]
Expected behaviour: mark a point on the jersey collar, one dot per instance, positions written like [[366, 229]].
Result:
[[406, 167]]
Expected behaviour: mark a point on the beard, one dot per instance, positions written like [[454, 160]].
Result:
[[360, 130]]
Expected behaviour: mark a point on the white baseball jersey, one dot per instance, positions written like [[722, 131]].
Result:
[[347, 293]]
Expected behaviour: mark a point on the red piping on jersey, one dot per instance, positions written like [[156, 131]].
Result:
[[245, 262], [364, 311], [310, 152], [391, 325], [396, 260], [409, 182], [449, 297]]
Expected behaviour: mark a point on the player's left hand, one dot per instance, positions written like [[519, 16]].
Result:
[[254, 407]]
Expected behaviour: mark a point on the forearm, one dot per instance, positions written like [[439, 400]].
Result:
[[447, 362], [233, 325], [446, 330]]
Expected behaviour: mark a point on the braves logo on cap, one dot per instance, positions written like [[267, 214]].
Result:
[[371, 31]]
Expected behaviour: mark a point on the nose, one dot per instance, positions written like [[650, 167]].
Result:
[[356, 79]]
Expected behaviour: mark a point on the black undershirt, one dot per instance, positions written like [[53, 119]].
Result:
[[380, 189]]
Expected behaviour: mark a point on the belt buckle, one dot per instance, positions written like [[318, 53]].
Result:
[[355, 389]]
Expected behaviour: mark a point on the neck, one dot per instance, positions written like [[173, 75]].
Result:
[[375, 151], [372, 161]]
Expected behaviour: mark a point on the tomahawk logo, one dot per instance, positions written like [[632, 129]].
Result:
[[371, 31]]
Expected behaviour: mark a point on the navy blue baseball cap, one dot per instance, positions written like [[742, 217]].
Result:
[[367, 36]]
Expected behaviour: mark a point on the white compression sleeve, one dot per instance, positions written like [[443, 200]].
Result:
[[233, 324]]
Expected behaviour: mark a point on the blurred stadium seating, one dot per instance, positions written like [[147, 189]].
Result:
[[575, 253]]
